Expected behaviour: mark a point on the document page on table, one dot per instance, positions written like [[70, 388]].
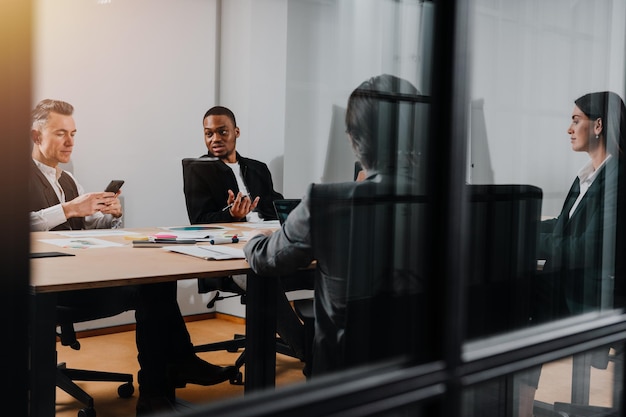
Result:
[[217, 252]]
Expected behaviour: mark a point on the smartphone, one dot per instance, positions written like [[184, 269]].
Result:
[[114, 186]]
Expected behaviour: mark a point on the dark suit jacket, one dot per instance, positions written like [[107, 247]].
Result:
[[579, 251], [206, 188], [369, 251]]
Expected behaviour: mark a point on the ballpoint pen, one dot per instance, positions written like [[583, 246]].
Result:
[[231, 204]]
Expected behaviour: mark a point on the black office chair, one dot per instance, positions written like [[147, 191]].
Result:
[[503, 222], [65, 377], [226, 284]]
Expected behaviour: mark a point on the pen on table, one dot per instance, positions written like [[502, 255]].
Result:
[[175, 240]]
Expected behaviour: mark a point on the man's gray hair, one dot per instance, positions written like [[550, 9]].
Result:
[[42, 111]]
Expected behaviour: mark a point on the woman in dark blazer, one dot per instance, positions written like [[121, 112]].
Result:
[[579, 245]]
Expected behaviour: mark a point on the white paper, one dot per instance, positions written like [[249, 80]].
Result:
[[266, 224], [81, 243], [216, 252], [95, 232]]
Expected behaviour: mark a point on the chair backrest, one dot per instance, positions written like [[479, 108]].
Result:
[[196, 178], [366, 239], [503, 224], [369, 244]]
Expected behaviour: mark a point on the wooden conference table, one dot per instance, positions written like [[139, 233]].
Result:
[[124, 265]]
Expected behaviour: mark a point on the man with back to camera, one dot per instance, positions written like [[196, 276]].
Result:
[[232, 189], [165, 353], [389, 247]]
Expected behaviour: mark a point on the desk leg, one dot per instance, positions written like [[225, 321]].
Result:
[[260, 371], [43, 360], [581, 378]]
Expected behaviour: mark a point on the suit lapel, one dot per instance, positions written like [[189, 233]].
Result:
[[591, 197]]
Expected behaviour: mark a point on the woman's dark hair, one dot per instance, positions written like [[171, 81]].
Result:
[[608, 107], [375, 117]]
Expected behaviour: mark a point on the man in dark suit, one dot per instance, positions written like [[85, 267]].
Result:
[[233, 188], [230, 188], [365, 236]]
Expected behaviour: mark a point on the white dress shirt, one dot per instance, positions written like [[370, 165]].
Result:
[[253, 216]]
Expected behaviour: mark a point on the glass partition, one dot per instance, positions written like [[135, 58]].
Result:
[[542, 116], [467, 212], [589, 383]]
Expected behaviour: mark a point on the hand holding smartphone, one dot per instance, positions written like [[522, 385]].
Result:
[[114, 186]]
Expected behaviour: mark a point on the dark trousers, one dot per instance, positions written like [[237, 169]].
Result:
[[161, 336]]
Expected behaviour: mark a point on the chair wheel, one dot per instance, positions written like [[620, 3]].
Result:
[[126, 390], [87, 412], [237, 379]]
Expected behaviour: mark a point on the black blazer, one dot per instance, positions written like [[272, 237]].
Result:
[[206, 186], [577, 268]]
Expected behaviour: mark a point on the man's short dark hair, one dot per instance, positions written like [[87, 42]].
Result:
[[374, 114], [221, 111]]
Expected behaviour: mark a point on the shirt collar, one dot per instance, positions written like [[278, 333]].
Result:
[[48, 170], [588, 174]]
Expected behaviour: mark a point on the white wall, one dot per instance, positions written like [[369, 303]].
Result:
[[252, 77]]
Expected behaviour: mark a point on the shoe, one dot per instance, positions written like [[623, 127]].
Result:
[[155, 405], [200, 372]]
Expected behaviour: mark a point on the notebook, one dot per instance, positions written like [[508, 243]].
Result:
[[284, 207]]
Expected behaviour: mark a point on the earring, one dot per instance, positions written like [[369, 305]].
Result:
[[597, 137]]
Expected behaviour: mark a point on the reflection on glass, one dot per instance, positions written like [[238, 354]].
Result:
[[586, 384]]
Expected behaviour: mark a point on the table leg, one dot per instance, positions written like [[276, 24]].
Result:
[[581, 378], [260, 371], [43, 359]]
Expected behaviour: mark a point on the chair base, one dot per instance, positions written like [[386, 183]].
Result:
[[65, 378], [239, 342]]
